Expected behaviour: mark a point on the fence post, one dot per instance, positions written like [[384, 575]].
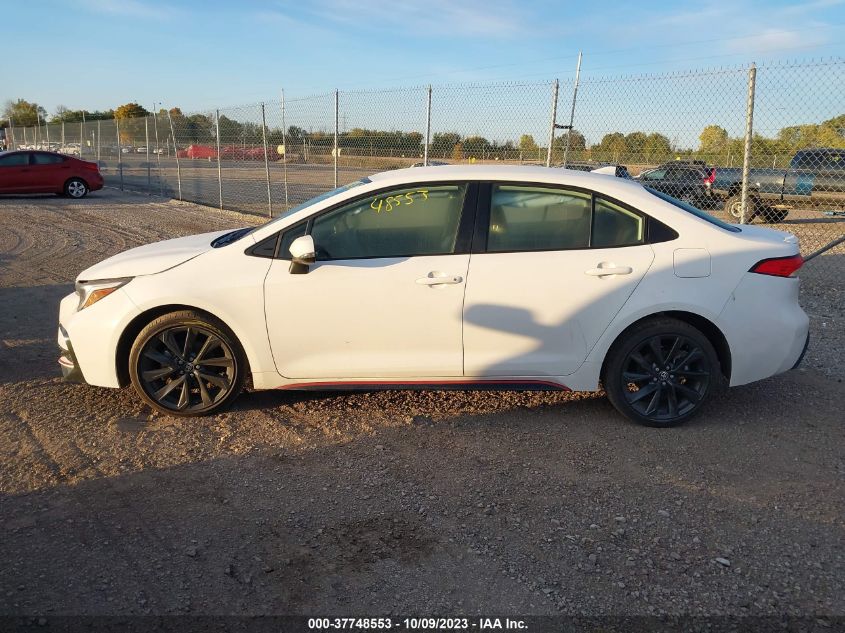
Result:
[[158, 151], [63, 133], [572, 112], [749, 126], [555, 88], [285, 154], [119, 151], [336, 125], [98, 141], [149, 170], [427, 128], [266, 161], [219, 169], [176, 154], [47, 130]]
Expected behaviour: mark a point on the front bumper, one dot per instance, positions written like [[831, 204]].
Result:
[[71, 371]]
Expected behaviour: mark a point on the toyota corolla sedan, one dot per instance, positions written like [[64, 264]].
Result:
[[449, 277]]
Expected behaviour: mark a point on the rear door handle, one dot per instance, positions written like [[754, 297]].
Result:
[[607, 270], [437, 279]]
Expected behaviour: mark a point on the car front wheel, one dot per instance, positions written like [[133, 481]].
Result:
[[76, 188], [187, 363], [662, 372]]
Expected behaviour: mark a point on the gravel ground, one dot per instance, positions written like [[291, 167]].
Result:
[[404, 502]]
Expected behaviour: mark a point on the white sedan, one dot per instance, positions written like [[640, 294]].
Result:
[[449, 277]]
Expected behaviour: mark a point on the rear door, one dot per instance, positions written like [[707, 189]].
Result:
[[551, 267], [14, 172], [48, 172]]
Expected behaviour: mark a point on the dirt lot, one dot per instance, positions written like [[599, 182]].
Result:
[[377, 503]]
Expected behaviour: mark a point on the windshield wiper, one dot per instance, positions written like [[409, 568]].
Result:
[[228, 238]]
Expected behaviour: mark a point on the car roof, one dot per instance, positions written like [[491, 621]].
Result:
[[517, 173]]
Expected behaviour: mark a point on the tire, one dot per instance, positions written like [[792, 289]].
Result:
[[168, 378], [76, 188], [682, 383]]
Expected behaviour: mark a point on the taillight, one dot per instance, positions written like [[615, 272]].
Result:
[[89, 165], [778, 266], [711, 178]]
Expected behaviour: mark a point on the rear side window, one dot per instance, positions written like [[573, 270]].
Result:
[[526, 218], [46, 159], [616, 226], [14, 160]]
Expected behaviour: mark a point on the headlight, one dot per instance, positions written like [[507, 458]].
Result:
[[90, 292]]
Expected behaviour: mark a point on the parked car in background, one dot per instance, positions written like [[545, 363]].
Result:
[[141, 150], [48, 172], [620, 171], [451, 277], [431, 163], [687, 183], [815, 177]]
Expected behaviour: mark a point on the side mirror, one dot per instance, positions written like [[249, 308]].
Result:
[[303, 254]]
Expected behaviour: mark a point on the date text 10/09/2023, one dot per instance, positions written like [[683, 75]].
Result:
[[417, 624]]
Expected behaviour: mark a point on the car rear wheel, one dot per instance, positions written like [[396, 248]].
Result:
[[662, 372], [187, 363], [76, 188]]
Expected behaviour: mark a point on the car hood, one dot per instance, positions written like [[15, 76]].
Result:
[[151, 258]]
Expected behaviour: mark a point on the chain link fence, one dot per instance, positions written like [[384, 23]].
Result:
[[763, 145]]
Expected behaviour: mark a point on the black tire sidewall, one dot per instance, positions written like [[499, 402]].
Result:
[[635, 336], [180, 319]]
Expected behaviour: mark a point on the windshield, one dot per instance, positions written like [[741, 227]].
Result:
[[695, 211], [321, 197]]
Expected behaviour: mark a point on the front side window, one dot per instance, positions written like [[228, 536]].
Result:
[[616, 226], [420, 220], [14, 160], [527, 218]]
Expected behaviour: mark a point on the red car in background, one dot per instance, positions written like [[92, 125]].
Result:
[[48, 172]]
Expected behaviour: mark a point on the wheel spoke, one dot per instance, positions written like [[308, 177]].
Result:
[[675, 348], [629, 376], [690, 373], [654, 344], [694, 354], [691, 394], [190, 335], [161, 393], [170, 343], [655, 401], [155, 374], [184, 396], [206, 399], [673, 400], [157, 356], [208, 345], [642, 393], [217, 362], [220, 381], [639, 360]]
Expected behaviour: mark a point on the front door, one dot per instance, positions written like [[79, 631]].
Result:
[[384, 298], [15, 173], [553, 276]]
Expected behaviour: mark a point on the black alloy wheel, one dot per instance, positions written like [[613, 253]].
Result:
[[661, 376], [186, 366]]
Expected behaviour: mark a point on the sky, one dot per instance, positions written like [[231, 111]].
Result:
[[98, 54]]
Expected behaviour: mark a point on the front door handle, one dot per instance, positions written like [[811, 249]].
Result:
[[605, 270], [437, 279]]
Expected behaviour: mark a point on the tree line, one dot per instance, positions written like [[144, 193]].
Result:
[[715, 144]]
